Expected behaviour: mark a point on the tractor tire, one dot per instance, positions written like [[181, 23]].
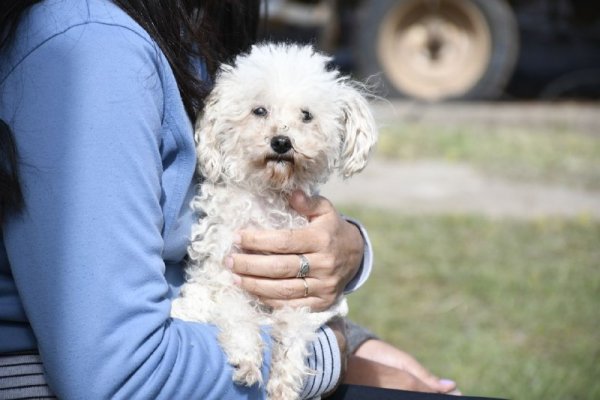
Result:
[[435, 50]]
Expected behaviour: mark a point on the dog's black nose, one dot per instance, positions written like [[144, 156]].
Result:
[[281, 144]]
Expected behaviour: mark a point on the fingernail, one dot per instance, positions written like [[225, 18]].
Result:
[[229, 263], [237, 279], [447, 382], [237, 238]]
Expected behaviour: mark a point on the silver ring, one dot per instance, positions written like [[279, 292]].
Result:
[[304, 266], [305, 287]]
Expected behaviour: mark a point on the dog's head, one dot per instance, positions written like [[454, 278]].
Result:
[[280, 119]]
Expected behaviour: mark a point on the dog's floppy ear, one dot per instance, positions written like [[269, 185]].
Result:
[[360, 132], [207, 148]]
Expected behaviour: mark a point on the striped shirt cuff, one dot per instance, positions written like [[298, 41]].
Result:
[[325, 360], [22, 377], [367, 262]]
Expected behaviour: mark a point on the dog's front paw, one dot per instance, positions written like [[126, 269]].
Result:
[[278, 390], [243, 347], [247, 373]]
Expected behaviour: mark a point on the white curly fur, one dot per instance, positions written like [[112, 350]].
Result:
[[247, 185]]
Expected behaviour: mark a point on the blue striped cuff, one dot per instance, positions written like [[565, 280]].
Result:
[[325, 360]]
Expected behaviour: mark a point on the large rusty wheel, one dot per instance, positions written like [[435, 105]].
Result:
[[439, 49]]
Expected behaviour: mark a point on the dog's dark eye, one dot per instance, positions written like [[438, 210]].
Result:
[[306, 116], [260, 112]]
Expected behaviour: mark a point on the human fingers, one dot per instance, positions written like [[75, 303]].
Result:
[[280, 241], [306, 292], [310, 207], [275, 266], [333, 258], [274, 279], [340, 240], [315, 304], [385, 353], [412, 366], [335, 247]]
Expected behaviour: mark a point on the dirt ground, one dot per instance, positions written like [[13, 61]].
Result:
[[438, 187], [585, 117]]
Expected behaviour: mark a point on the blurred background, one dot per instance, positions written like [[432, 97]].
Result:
[[483, 196]]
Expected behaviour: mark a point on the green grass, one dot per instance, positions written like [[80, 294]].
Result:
[[555, 155], [506, 308]]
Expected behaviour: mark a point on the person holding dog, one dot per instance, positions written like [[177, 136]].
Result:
[[96, 172]]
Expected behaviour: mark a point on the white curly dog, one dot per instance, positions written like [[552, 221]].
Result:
[[277, 120]]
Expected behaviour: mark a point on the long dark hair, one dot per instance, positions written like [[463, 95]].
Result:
[[184, 29]]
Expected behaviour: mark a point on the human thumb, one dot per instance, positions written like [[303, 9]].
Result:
[[309, 206]]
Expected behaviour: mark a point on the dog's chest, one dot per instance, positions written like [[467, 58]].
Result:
[[239, 209]]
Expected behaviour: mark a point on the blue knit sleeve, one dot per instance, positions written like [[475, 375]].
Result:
[[86, 254]]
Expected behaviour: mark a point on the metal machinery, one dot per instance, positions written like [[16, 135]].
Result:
[[458, 49]]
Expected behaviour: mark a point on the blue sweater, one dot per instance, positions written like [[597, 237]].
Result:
[[88, 270]]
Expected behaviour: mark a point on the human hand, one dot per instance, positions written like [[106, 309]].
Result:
[[377, 363], [332, 246]]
